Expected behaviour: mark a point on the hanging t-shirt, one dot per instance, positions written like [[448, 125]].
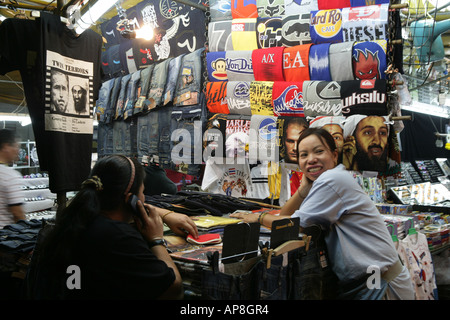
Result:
[[322, 98], [143, 53], [110, 33], [239, 65], [228, 179], [243, 34], [296, 63], [126, 56], [244, 9], [214, 136], [340, 57], [362, 3], [288, 98], [263, 139], [295, 29], [261, 97], [238, 97], [220, 10], [268, 8], [112, 56], [369, 60], [326, 26], [260, 181], [62, 124], [237, 132], [216, 66], [332, 4], [319, 62], [216, 97], [300, 6], [268, 32], [365, 23], [291, 177], [219, 36], [268, 64], [416, 256], [366, 97]]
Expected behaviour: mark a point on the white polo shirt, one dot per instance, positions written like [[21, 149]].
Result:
[[10, 193]]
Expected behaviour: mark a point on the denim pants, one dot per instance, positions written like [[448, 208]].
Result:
[[104, 96], [157, 83], [110, 111], [105, 143], [124, 137], [172, 77], [121, 99], [164, 121], [224, 286], [187, 124], [131, 96], [147, 135], [189, 81]]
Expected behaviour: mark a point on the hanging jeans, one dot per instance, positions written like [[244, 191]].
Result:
[[187, 124], [124, 137], [105, 143], [147, 135], [164, 121]]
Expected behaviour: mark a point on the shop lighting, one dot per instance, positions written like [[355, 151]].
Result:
[[23, 119], [145, 32], [432, 110]]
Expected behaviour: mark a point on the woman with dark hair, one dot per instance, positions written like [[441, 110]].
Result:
[[356, 236], [94, 251]]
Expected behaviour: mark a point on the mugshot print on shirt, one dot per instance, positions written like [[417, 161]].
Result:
[[68, 94]]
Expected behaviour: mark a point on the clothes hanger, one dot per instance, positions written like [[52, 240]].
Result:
[[411, 229], [393, 235]]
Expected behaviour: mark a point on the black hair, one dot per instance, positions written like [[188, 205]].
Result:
[[114, 173], [7, 137], [320, 133]]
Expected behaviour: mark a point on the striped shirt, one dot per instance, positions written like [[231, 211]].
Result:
[[10, 193]]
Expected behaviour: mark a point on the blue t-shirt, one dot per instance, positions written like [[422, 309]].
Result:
[[357, 235]]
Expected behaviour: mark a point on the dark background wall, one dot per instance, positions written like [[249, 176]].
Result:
[[418, 138]]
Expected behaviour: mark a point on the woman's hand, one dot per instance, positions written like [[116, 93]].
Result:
[[149, 224], [245, 216], [305, 187], [180, 224]]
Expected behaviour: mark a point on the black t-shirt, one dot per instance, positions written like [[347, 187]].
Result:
[[367, 97], [116, 263], [51, 60]]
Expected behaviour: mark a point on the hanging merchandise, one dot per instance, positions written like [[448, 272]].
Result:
[[243, 34], [239, 65], [369, 60], [268, 64], [227, 179], [238, 97], [216, 65], [366, 97], [244, 9], [141, 104], [157, 84], [289, 130], [263, 144], [261, 98], [298, 7], [172, 76], [220, 10], [268, 32], [333, 4], [366, 23], [287, 98], [319, 62], [326, 26], [295, 29], [268, 9], [296, 63], [413, 251], [322, 98], [70, 67], [126, 57], [340, 55], [219, 36], [216, 97]]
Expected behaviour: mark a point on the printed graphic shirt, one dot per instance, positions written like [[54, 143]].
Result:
[[296, 63], [288, 98], [263, 142], [219, 35], [261, 97], [365, 97], [216, 97], [267, 8], [238, 97], [216, 65], [244, 9], [326, 26], [243, 34], [295, 29], [369, 60], [268, 32], [268, 64], [365, 23], [322, 98], [239, 65]]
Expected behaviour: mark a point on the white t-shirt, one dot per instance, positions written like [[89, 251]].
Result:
[[10, 193], [357, 236]]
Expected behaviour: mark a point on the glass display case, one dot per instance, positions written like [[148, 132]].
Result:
[[426, 193]]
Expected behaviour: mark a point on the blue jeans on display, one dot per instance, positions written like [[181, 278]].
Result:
[[124, 137], [147, 134], [105, 143], [103, 100], [190, 79], [164, 120], [188, 120], [222, 286]]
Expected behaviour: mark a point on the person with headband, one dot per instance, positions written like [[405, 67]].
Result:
[[356, 236], [119, 252]]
